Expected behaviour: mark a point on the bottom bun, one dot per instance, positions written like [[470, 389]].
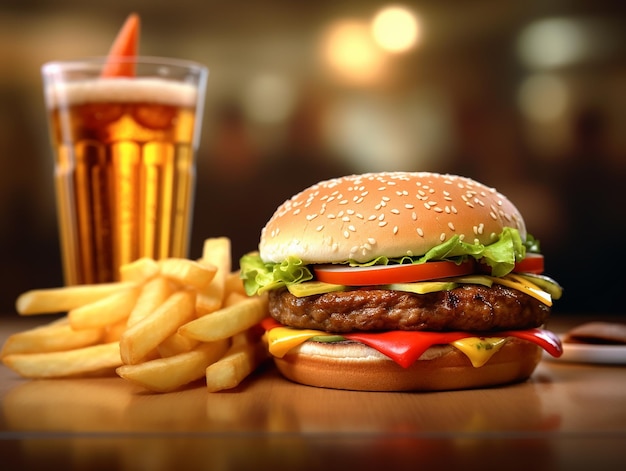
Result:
[[355, 366]]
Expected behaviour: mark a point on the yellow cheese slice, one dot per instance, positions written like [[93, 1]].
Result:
[[282, 339], [479, 349], [522, 284]]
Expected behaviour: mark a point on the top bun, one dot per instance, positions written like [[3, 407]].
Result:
[[361, 217]]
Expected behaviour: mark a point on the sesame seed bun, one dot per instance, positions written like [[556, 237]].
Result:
[[358, 367], [361, 217]]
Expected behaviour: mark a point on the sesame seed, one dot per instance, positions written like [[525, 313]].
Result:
[[426, 205], [395, 211], [382, 223], [414, 216], [346, 234], [493, 215], [372, 217], [420, 232], [395, 229], [409, 206], [442, 237], [310, 217], [345, 219], [451, 226], [319, 228], [351, 228], [371, 240]]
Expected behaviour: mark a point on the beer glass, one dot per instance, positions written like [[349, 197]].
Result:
[[124, 160]]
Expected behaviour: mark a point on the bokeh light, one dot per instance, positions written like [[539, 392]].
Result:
[[348, 49], [395, 29]]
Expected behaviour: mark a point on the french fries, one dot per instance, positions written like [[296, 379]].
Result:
[[140, 339], [166, 324], [169, 374], [64, 299], [242, 358], [106, 311], [53, 337], [78, 361], [215, 252], [227, 321]]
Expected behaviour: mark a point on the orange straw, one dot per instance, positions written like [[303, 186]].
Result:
[[126, 44]]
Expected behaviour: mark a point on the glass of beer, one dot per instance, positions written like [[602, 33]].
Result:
[[124, 150]]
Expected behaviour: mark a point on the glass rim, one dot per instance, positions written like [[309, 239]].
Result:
[[90, 61]]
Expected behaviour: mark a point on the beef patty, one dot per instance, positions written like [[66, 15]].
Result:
[[472, 308]]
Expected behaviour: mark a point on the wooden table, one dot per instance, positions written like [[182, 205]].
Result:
[[567, 416]]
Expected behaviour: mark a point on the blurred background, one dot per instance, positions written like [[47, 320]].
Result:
[[528, 96]]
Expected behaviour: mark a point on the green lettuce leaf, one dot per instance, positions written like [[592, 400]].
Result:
[[500, 255], [259, 276]]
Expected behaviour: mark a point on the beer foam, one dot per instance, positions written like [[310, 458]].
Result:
[[122, 89]]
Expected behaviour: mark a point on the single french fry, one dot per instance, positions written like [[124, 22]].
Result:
[[171, 373], [153, 294], [53, 300], [52, 337], [79, 361], [140, 270], [145, 336], [227, 321], [110, 310], [238, 363], [216, 252], [187, 272], [175, 344]]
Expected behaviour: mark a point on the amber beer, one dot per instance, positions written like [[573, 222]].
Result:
[[125, 168]]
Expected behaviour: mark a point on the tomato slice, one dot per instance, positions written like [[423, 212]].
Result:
[[532, 263], [386, 274]]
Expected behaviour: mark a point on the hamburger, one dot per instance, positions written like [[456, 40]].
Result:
[[402, 281]]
